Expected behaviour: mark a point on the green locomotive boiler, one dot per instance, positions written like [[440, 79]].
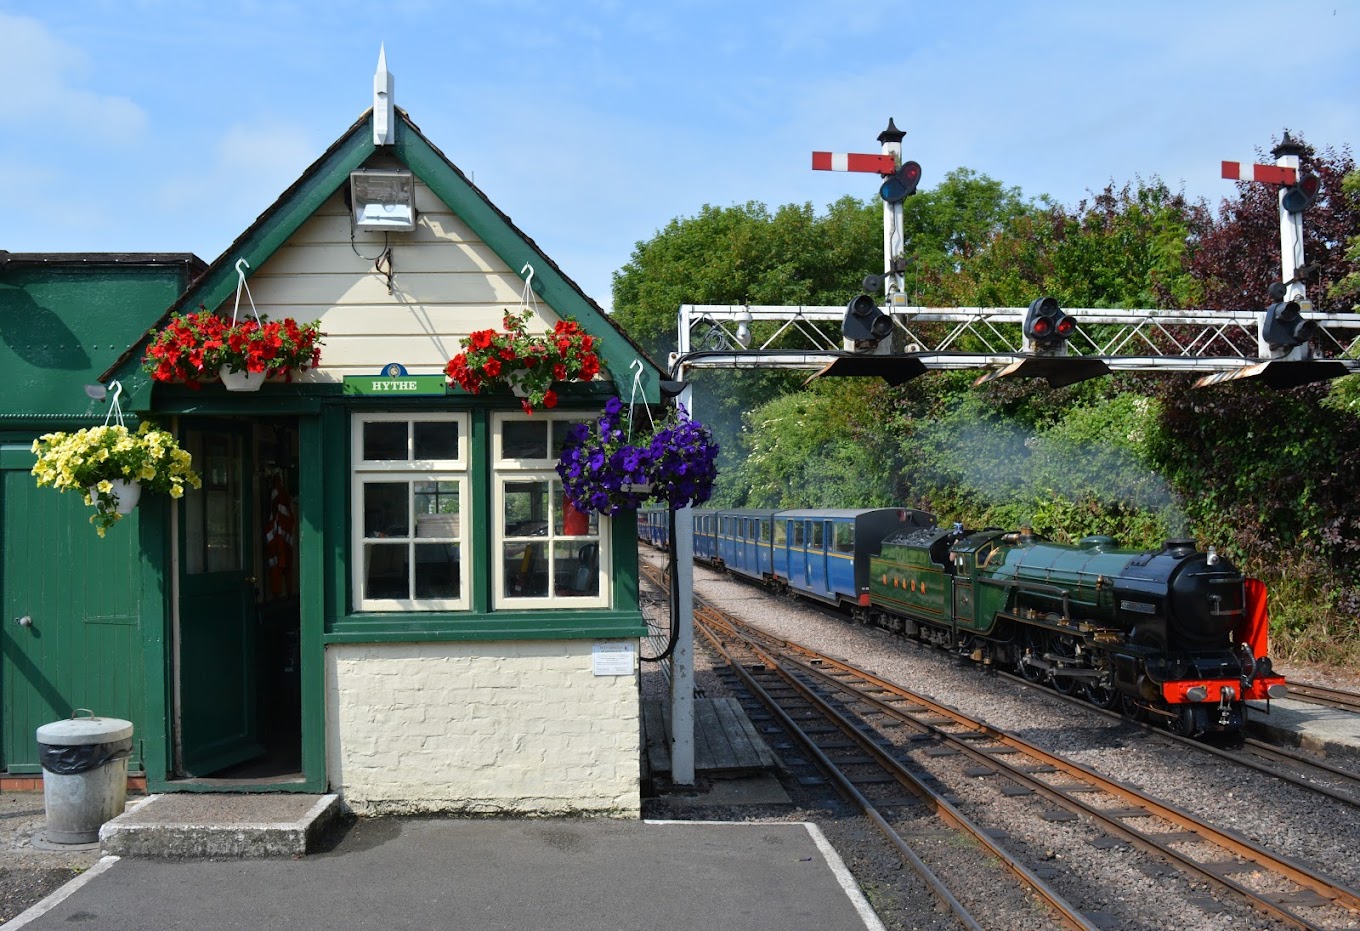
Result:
[[1175, 634]]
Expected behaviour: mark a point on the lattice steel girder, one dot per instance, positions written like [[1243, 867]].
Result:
[[947, 361], [1197, 334]]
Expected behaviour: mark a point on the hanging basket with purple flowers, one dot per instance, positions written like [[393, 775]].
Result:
[[609, 466]]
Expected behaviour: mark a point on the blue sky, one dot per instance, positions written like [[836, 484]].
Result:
[[169, 125]]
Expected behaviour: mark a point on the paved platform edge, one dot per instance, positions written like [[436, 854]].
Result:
[[121, 837], [53, 899], [844, 877], [1287, 732]]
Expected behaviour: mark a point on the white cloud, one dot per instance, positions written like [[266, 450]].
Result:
[[40, 74], [250, 165]]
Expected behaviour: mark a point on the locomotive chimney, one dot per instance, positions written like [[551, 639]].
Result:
[[1180, 548]]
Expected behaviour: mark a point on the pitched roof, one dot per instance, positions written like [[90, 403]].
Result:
[[324, 177]]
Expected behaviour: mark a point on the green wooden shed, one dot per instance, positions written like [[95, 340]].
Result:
[[75, 607]]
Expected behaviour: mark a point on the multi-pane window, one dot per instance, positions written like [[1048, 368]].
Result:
[[546, 550], [409, 506]]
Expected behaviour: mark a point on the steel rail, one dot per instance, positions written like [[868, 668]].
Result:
[[943, 808], [1298, 873], [1323, 695], [1279, 754]]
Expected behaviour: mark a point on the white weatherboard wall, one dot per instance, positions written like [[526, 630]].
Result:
[[446, 283], [509, 727]]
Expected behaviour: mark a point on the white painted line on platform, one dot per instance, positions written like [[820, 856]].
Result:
[[833, 860], [39, 909]]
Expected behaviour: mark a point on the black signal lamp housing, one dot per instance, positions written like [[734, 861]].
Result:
[[865, 323], [1046, 326], [1284, 326], [1301, 195]]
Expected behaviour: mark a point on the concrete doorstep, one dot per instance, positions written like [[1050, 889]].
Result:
[[219, 825]]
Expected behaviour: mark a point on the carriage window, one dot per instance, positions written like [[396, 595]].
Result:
[[816, 542], [845, 538], [760, 531], [798, 533], [780, 533]]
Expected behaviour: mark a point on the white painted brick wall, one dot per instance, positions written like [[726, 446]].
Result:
[[504, 727]]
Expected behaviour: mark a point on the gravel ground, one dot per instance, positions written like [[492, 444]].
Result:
[[28, 872], [1135, 894]]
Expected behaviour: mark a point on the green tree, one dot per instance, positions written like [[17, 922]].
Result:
[[821, 447]]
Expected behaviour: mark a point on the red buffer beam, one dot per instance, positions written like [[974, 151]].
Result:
[[844, 161]]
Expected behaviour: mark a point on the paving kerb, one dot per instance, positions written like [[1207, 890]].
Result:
[[219, 825], [492, 875], [1332, 732]]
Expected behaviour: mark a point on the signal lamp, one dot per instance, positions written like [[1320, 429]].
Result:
[[865, 323], [1284, 326], [1046, 326], [901, 184], [1299, 196]]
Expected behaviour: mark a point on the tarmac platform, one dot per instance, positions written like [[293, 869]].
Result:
[[486, 875]]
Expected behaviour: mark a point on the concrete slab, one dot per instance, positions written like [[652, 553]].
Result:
[[1332, 732], [760, 789], [200, 824], [492, 875]]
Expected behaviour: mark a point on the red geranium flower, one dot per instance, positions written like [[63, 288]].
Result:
[[528, 364]]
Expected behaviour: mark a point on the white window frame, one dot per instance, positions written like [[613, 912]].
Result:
[[504, 470], [363, 471]]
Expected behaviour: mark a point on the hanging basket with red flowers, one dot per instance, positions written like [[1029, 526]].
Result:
[[194, 348], [527, 364], [203, 346]]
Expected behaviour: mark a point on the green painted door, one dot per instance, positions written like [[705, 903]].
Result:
[[215, 658], [70, 632]]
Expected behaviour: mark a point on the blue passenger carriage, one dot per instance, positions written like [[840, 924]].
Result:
[[742, 540], [654, 526], [815, 552]]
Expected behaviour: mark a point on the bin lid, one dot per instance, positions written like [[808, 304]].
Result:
[[80, 731]]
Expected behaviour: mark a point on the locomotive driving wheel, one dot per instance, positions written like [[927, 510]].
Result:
[[1028, 646], [1064, 647], [1101, 691]]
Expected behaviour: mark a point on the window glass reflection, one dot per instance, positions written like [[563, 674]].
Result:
[[436, 570], [385, 439], [386, 570], [385, 509], [576, 568], [526, 509], [436, 439], [526, 570], [524, 439]]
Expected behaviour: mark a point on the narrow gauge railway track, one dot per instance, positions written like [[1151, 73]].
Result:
[[1323, 695], [1277, 886], [843, 759], [1297, 769]]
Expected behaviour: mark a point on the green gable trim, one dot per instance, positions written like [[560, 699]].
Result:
[[493, 229], [260, 242]]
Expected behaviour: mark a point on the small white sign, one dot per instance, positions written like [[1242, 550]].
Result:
[[613, 659]]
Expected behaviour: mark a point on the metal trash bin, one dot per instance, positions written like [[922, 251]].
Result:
[[84, 762]]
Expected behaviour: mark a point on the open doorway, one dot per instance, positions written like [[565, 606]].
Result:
[[238, 703]]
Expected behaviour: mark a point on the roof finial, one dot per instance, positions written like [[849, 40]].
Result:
[[384, 123]]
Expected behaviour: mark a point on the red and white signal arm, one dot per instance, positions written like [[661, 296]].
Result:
[[848, 161], [1268, 174]]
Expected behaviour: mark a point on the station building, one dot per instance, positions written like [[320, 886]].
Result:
[[376, 591]]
